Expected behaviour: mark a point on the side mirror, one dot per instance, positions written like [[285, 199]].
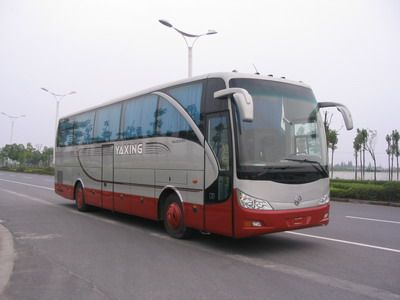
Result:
[[348, 120], [243, 100]]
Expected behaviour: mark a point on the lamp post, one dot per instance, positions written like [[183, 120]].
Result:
[[12, 119], [58, 98], [186, 36]]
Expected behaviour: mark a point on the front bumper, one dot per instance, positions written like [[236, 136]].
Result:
[[253, 222]]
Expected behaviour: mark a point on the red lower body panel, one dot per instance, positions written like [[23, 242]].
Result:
[[93, 197], [193, 215], [215, 218], [141, 206], [218, 218], [66, 191]]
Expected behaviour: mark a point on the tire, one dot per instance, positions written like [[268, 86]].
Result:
[[174, 218], [80, 198]]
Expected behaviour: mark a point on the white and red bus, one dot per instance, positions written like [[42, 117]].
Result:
[[227, 153]]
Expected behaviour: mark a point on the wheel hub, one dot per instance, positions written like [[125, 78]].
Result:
[[174, 215]]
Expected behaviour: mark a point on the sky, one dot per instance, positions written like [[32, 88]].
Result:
[[347, 51]]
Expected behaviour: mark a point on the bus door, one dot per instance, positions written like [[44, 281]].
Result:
[[218, 196], [107, 177]]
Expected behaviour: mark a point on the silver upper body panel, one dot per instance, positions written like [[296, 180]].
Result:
[[226, 76]]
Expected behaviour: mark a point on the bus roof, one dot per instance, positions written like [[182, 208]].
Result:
[[226, 76]]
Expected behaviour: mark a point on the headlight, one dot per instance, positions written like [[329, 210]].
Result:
[[324, 199], [249, 202]]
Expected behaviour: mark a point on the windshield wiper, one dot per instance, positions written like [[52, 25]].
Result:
[[267, 169], [316, 164]]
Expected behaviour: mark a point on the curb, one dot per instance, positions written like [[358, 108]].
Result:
[[349, 200], [6, 257]]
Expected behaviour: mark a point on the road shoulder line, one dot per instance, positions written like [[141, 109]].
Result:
[[6, 257], [28, 184]]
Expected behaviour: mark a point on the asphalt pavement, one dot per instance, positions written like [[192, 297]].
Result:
[[60, 253]]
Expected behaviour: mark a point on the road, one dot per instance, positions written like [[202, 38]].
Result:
[[61, 253]]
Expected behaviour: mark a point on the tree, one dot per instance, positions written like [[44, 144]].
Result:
[[389, 152], [15, 152], [332, 139], [357, 148], [371, 143], [26, 155], [47, 156], [395, 151], [361, 139], [364, 140], [327, 122]]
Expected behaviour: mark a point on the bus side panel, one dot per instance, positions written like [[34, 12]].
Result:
[[194, 215], [134, 190], [134, 180], [122, 201], [63, 177], [181, 168], [89, 171], [93, 196], [145, 207], [92, 188], [193, 203], [107, 177]]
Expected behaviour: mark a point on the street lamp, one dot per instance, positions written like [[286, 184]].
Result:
[[58, 98], [185, 36], [12, 118]]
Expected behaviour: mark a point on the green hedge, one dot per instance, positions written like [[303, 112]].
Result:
[[31, 170], [366, 190]]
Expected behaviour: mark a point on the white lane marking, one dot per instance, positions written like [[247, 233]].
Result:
[[325, 280], [102, 219], [28, 184], [41, 201], [34, 236], [161, 236], [376, 220], [343, 241]]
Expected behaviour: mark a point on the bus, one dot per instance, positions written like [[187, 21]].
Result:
[[232, 154]]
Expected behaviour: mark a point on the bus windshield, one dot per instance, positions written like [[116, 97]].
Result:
[[286, 141]]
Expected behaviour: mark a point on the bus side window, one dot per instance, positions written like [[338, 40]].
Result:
[[65, 133], [171, 123], [106, 126], [189, 96], [138, 118], [219, 140], [83, 128]]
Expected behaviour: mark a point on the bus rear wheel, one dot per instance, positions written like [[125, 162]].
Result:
[[80, 198], [174, 219]]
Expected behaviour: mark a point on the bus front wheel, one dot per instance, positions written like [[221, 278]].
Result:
[[80, 198], [174, 219]]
